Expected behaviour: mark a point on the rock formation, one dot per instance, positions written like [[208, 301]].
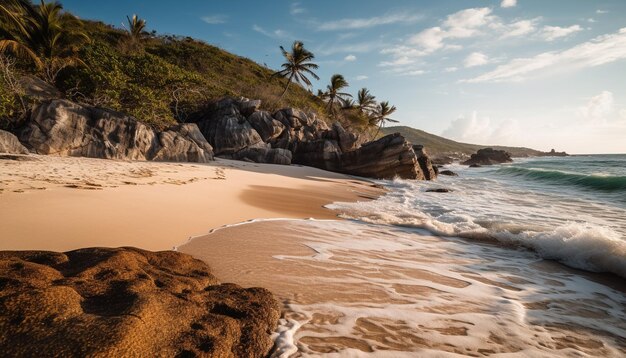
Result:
[[430, 172], [62, 127], [10, 144], [488, 156], [237, 129], [448, 173], [127, 302]]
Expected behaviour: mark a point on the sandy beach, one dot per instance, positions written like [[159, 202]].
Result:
[[64, 203]]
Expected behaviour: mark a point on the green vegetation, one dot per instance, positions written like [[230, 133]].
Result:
[[440, 146]]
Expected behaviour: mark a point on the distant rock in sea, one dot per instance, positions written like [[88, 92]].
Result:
[[127, 302], [553, 153], [448, 173], [488, 156]]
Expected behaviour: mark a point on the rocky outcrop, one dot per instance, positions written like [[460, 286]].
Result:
[[127, 302], [553, 153], [61, 127], [10, 144], [426, 165], [386, 158], [488, 156], [237, 129], [449, 173]]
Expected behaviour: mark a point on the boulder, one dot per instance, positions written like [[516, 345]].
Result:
[[475, 165], [322, 153], [264, 155], [386, 158], [430, 172], [127, 302], [229, 134], [442, 160], [62, 127], [438, 190], [248, 106], [448, 173], [347, 140], [10, 144], [293, 118], [266, 126], [488, 156], [183, 143]]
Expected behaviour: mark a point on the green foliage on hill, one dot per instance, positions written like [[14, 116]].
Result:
[[436, 145]]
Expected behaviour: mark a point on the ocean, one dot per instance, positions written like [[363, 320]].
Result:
[[522, 259]]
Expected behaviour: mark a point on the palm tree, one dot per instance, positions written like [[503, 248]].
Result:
[[333, 94], [43, 34], [348, 104], [365, 100], [136, 27], [383, 110], [297, 66]]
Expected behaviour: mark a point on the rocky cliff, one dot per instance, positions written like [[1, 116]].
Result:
[[127, 302], [488, 156], [62, 127]]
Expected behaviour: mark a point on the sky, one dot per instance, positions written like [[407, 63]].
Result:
[[534, 73]]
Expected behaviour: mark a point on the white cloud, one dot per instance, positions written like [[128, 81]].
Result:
[[466, 23], [508, 3], [450, 69], [278, 33], [598, 107], [400, 61], [215, 19], [296, 8], [481, 130], [363, 23], [476, 59], [520, 28], [414, 72], [591, 19], [601, 11], [361, 77], [350, 58], [598, 51], [362, 47], [551, 33]]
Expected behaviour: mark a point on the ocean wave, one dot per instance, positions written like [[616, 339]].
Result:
[[602, 182]]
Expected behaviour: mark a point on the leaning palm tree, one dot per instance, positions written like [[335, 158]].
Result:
[[383, 110], [44, 34], [297, 66], [333, 94], [365, 101]]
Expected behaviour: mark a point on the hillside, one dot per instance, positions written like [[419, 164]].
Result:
[[437, 145]]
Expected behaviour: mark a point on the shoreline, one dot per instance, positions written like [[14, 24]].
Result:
[[65, 203]]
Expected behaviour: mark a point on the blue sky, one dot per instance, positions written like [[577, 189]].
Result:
[[544, 74]]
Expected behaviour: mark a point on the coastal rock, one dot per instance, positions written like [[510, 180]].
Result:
[[230, 134], [488, 156], [10, 144], [475, 165], [426, 165], [323, 153], [61, 127], [266, 126], [386, 158], [264, 155], [442, 160], [448, 173], [347, 140], [127, 302], [438, 190], [248, 106]]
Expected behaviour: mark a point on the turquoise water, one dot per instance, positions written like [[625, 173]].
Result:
[[569, 209]]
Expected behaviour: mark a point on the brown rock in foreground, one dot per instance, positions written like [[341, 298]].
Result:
[[127, 302]]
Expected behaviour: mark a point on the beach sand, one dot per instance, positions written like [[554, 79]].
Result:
[[65, 203]]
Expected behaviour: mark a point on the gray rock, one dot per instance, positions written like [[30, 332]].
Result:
[[386, 158], [10, 144], [248, 106], [426, 165], [323, 153], [62, 127], [230, 134], [266, 126], [448, 173], [438, 190], [264, 155], [488, 156]]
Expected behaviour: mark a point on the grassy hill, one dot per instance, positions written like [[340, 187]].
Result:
[[439, 145]]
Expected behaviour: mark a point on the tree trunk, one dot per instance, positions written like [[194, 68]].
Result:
[[286, 87]]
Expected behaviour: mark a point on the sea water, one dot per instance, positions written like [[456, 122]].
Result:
[[498, 266]]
